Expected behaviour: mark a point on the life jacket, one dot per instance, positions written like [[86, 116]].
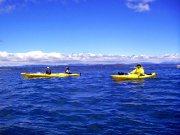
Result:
[[67, 71], [138, 70]]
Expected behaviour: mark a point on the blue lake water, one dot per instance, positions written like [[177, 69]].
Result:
[[90, 104]]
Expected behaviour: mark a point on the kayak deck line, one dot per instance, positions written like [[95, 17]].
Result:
[[132, 76], [39, 75]]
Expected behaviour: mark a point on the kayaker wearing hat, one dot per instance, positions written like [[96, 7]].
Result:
[[67, 71], [139, 70], [48, 71]]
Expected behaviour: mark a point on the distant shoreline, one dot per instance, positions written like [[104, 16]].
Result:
[[43, 67], [5, 69]]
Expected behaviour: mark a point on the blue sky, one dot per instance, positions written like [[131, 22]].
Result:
[[98, 27]]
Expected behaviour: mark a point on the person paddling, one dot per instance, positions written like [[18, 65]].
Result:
[[139, 70], [67, 71], [48, 71]]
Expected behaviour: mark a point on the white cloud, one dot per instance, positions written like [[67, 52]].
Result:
[[10, 5], [38, 57], [6, 8], [139, 5]]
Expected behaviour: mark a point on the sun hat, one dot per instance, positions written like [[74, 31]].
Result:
[[139, 64]]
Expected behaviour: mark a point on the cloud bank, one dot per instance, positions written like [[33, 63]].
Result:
[[38, 57], [139, 5]]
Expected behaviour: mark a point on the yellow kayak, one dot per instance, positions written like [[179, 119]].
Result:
[[132, 76], [39, 75]]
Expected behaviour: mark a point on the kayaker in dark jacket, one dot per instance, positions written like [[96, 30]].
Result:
[[48, 71]]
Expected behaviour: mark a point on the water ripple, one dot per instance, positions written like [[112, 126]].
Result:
[[90, 104]]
